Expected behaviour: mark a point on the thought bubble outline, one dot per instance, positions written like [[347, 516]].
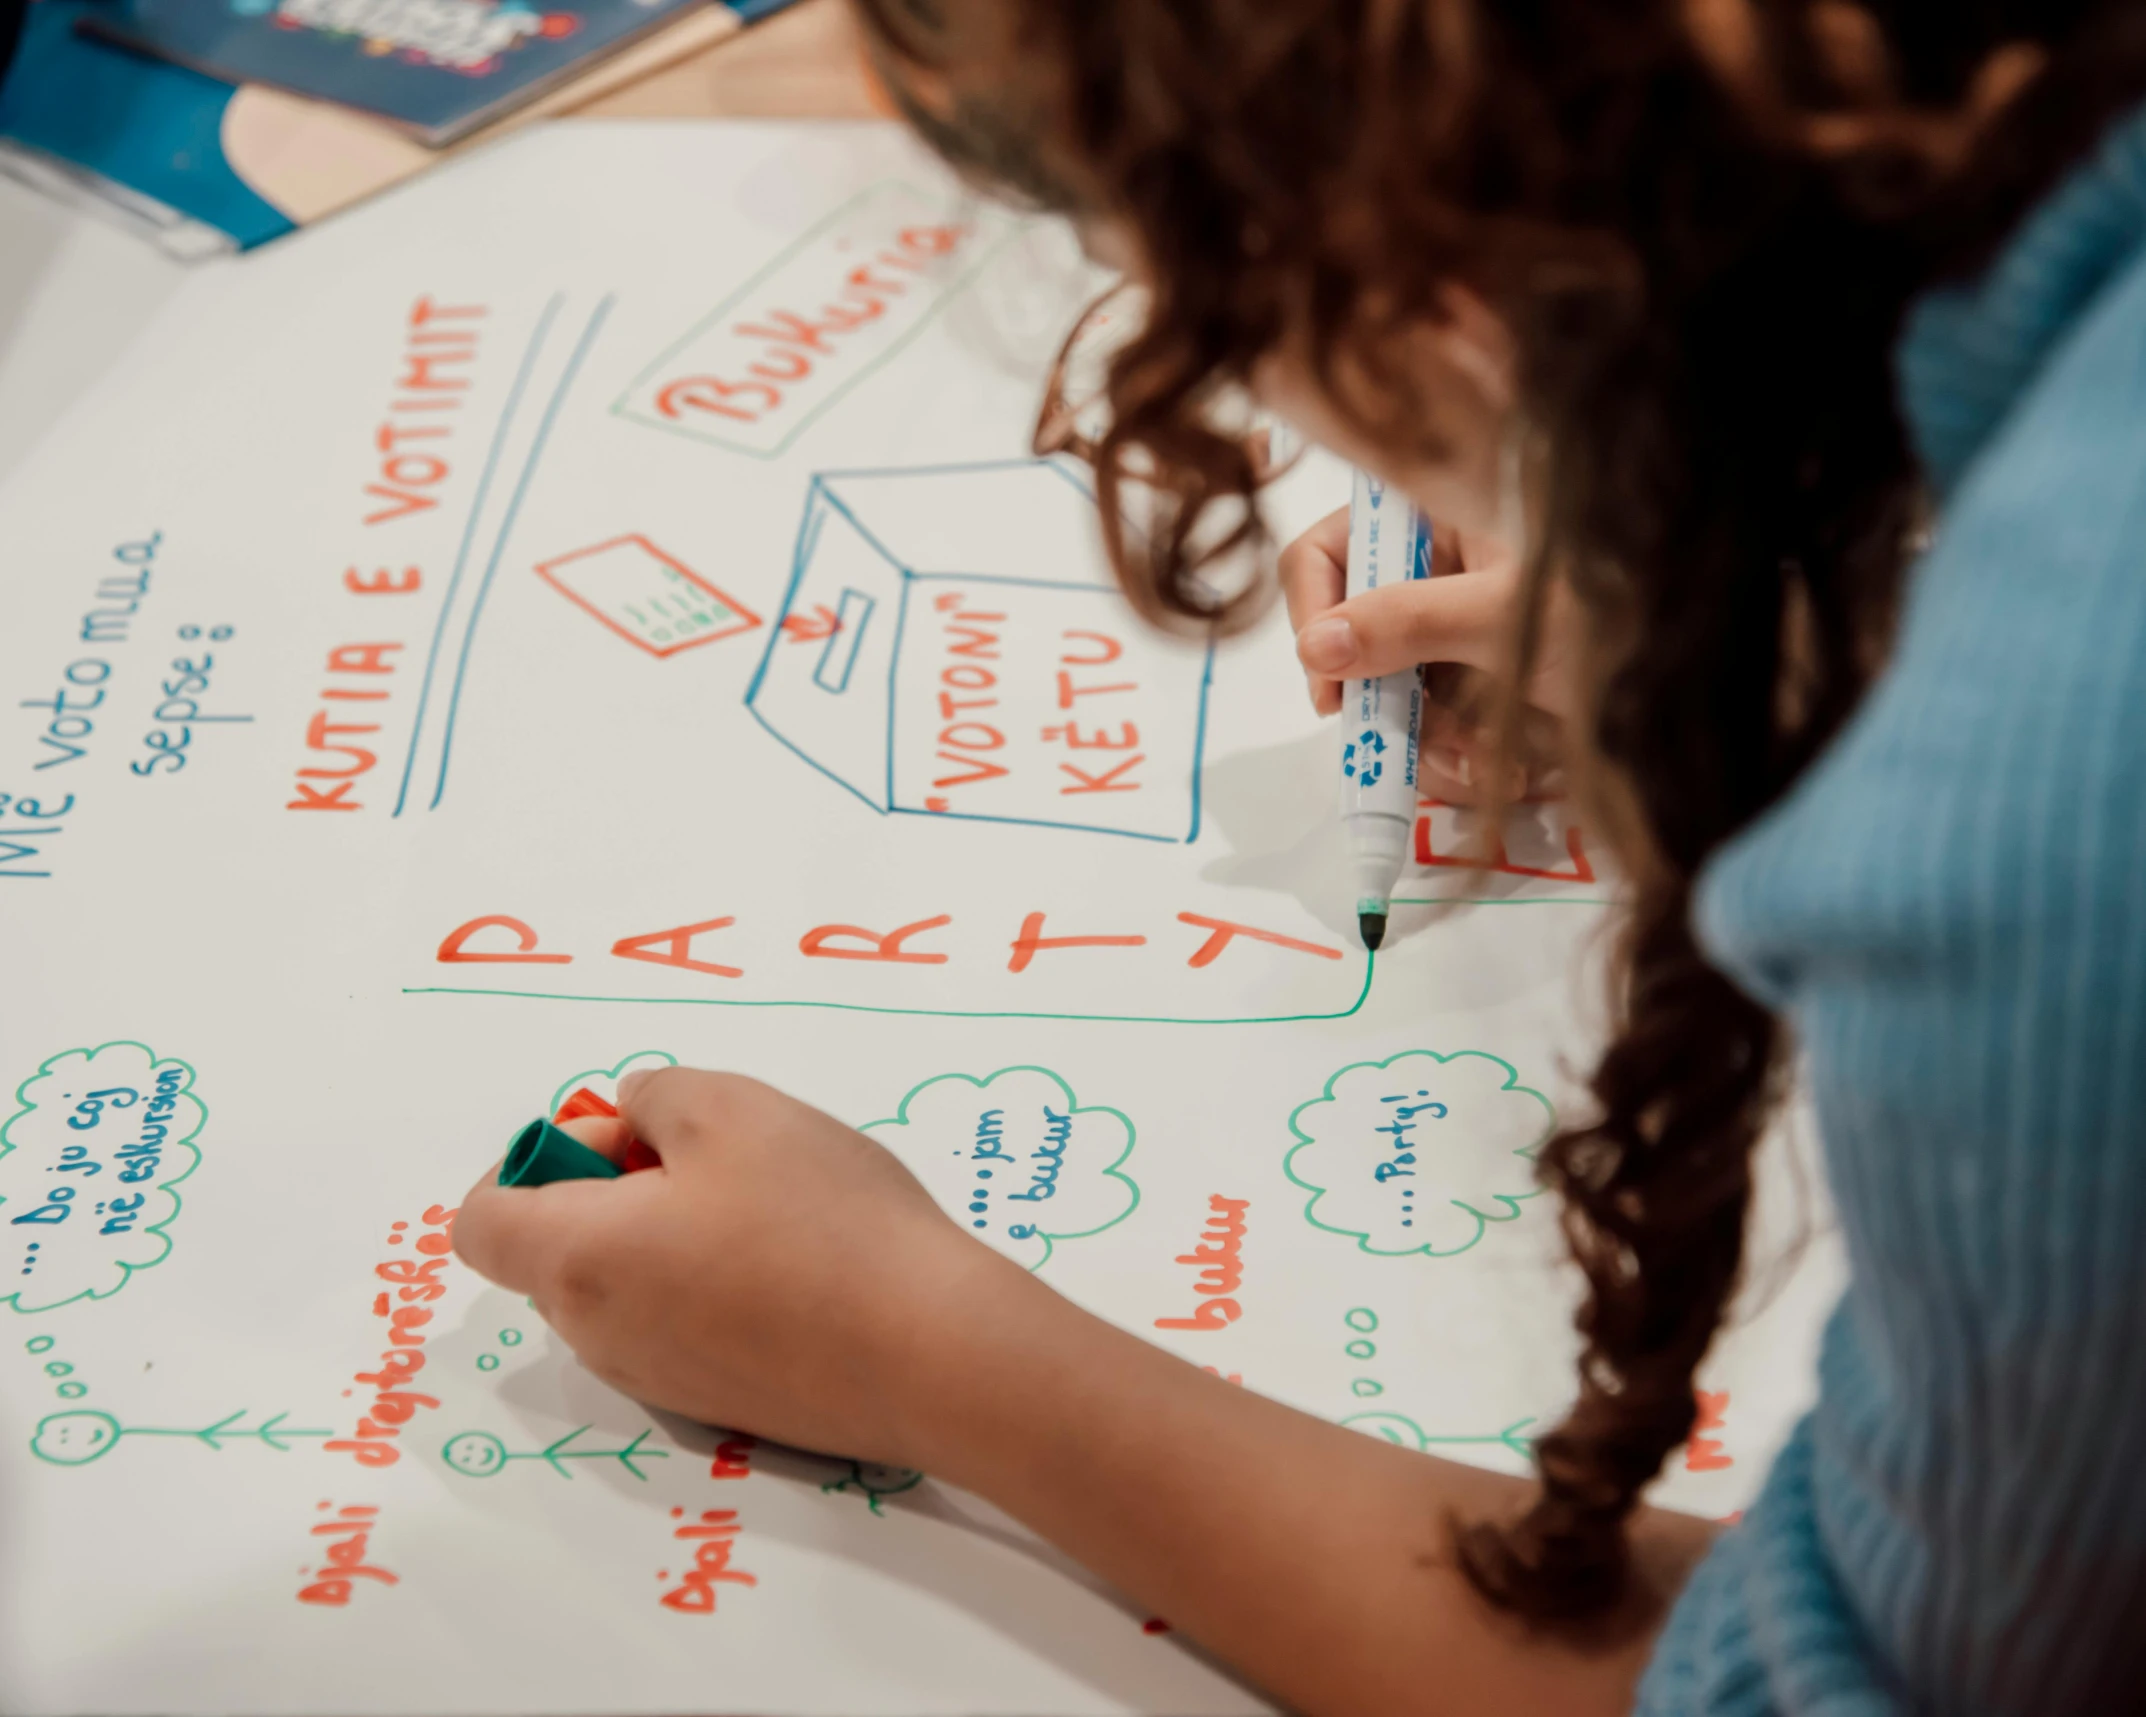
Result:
[[1074, 1106], [1483, 1218], [612, 1073], [8, 1148]]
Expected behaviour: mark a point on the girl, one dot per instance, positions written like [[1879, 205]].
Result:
[[1707, 307]]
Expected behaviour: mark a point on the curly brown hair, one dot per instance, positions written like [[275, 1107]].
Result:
[[1704, 272]]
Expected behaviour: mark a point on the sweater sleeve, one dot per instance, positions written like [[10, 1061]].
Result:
[[1952, 909]]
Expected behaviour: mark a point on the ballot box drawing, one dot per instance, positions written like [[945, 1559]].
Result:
[[951, 644]]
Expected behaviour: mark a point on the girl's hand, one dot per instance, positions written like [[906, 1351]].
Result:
[[784, 1275], [1459, 624], [780, 1272]]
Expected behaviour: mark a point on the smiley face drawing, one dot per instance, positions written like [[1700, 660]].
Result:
[[478, 1454], [74, 1438], [875, 1480]]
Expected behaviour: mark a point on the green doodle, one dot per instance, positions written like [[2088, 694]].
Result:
[[955, 1189], [480, 1455], [874, 1482], [651, 1057], [1354, 1008], [1501, 900], [84, 1434], [1403, 1431], [1481, 1211], [1365, 1322], [168, 1083]]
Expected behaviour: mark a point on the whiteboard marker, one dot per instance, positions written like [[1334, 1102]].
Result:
[[542, 1152], [1381, 720]]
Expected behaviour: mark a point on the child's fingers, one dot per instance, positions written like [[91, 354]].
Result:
[[1468, 772], [1402, 626], [1449, 767], [606, 1135], [1460, 761], [1313, 571], [682, 1110], [1314, 567], [518, 1235]]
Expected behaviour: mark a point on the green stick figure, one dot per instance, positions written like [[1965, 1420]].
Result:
[[1398, 1428], [875, 1481], [83, 1434], [479, 1454]]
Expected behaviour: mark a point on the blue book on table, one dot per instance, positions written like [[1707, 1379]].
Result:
[[95, 123], [118, 120], [438, 69]]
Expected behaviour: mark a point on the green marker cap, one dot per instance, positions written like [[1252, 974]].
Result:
[[542, 1154]]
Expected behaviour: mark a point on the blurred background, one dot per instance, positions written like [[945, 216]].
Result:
[[144, 141]]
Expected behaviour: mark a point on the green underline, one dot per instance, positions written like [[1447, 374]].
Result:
[[1355, 1007], [1503, 900]]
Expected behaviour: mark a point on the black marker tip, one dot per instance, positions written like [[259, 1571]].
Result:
[[1372, 927]]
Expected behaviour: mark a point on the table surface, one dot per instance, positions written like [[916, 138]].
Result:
[[76, 290]]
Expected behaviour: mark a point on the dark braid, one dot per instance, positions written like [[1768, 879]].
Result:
[[1705, 305]]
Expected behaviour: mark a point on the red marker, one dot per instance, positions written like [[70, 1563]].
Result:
[[584, 1103]]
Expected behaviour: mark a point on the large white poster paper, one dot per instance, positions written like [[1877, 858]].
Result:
[[597, 606]]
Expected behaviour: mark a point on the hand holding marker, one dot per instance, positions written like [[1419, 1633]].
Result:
[[1381, 720], [541, 1153]]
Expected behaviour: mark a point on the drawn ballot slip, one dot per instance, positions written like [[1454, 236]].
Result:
[[645, 596]]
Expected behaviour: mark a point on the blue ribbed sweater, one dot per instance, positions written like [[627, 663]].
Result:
[[1951, 907]]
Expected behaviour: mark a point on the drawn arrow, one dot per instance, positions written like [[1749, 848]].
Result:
[[551, 1455], [1510, 1437], [625, 1455], [822, 622], [558, 1454], [267, 1432], [214, 1435], [1399, 1428]]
